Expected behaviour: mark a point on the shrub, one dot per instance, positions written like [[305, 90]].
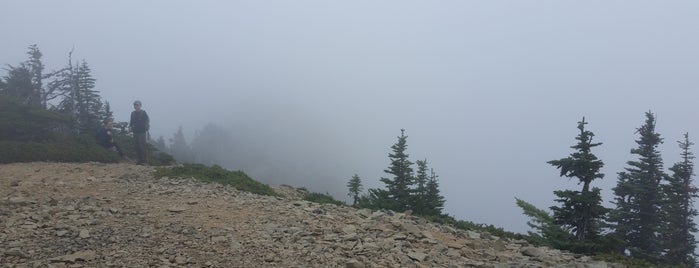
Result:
[[322, 198], [217, 174], [155, 156], [74, 149]]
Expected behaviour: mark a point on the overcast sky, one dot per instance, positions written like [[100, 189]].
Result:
[[487, 91]]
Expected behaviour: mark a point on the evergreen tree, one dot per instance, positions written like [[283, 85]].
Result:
[[211, 145], [679, 210], [179, 148], [419, 198], [398, 188], [160, 144], [355, 188], [24, 81], [36, 70], [106, 112], [547, 232], [580, 211], [18, 83], [27, 80], [404, 191], [636, 218], [80, 99], [87, 100], [434, 201]]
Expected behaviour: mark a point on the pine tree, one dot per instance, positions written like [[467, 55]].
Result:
[[636, 218], [27, 80], [87, 100], [160, 144], [547, 232], [36, 69], [179, 148], [679, 210], [18, 83], [580, 211], [80, 99], [418, 201], [398, 189], [106, 112], [434, 201], [355, 188], [212, 144]]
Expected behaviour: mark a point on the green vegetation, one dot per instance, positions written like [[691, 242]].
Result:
[[471, 226], [323, 199], [637, 218], [653, 220], [74, 149], [679, 209], [355, 188], [405, 190], [55, 116], [217, 174], [30, 133], [632, 262], [580, 215]]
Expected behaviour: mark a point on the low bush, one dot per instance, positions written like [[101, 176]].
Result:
[[155, 157], [323, 199], [217, 174], [71, 149]]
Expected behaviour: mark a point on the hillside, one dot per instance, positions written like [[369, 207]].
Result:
[[118, 215]]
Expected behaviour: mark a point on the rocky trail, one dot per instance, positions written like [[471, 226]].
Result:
[[119, 215]]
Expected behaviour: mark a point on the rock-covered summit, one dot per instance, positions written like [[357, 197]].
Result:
[[119, 215]]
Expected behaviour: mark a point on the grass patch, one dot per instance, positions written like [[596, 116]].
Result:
[[322, 199], [217, 174], [74, 149]]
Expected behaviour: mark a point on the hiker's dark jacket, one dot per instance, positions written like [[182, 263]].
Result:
[[140, 123], [104, 138]]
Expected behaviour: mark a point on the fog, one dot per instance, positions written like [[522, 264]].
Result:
[[313, 92]]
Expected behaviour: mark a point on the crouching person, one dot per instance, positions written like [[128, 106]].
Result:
[[104, 138]]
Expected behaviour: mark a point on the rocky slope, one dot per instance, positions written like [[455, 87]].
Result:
[[118, 215]]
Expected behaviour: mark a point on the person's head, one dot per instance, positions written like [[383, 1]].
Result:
[[137, 105]]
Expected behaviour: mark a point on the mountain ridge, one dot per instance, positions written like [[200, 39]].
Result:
[[119, 215]]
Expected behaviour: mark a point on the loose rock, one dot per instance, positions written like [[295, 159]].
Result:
[[119, 215]]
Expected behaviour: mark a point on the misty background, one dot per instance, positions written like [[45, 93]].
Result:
[[313, 92]]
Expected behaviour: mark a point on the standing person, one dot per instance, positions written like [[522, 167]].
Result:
[[104, 137], [139, 125]]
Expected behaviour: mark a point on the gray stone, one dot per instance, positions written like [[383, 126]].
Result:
[[364, 213], [596, 264], [84, 233], [533, 252], [417, 256], [349, 229], [15, 252], [61, 233], [180, 260], [128, 223], [410, 228]]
